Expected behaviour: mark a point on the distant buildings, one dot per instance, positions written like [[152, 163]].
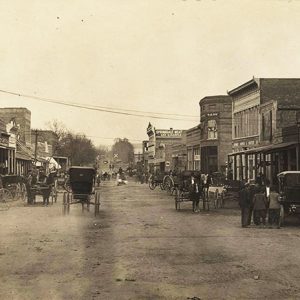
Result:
[[160, 146]]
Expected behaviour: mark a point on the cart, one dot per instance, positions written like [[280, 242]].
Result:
[[16, 184], [289, 190], [171, 182], [182, 190], [39, 189], [82, 190], [156, 180]]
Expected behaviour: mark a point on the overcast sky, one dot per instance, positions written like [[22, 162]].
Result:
[[156, 55]]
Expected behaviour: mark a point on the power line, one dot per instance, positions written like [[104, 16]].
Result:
[[32, 132], [94, 108]]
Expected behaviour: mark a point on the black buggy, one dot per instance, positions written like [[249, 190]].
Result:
[[289, 190], [82, 189]]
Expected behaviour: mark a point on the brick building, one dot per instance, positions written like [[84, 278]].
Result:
[[265, 133], [179, 154], [6, 152], [215, 136], [193, 148], [22, 117], [17, 121], [160, 146]]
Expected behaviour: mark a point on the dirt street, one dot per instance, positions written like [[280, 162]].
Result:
[[140, 247]]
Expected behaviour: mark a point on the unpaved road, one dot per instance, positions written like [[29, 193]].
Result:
[[141, 248]]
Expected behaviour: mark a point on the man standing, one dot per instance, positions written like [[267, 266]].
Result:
[[274, 208], [260, 207], [195, 193], [244, 202]]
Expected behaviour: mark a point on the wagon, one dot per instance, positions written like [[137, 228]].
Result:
[[41, 188], [82, 189], [289, 190], [182, 190], [170, 183], [16, 184], [156, 180]]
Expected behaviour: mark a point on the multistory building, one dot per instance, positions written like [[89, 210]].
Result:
[[215, 135], [265, 135]]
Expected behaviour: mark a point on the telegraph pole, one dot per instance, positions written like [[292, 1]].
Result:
[[35, 148]]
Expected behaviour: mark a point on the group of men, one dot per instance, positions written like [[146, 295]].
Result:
[[259, 201]]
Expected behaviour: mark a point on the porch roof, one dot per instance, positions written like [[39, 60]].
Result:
[[265, 149]]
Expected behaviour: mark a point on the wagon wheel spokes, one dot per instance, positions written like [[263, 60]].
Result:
[[152, 184]]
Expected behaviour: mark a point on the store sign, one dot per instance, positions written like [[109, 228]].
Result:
[[197, 157], [168, 133], [212, 114], [4, 141], [167, 164], [13, 141]]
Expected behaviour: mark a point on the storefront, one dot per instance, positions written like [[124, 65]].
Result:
[[267, 161], [7, 155]]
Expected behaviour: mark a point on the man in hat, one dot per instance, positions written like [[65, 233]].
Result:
[[245, 203], [260, 207], [195, 192]]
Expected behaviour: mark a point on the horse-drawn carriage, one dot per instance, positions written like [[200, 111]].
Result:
[[45, 187], [16, 185], [157, 180], [82, 189], [289, 190], [171, 182], [184, 190]]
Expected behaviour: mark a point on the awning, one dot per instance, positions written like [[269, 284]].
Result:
[[265, 149], [23, 156], [53, 163]]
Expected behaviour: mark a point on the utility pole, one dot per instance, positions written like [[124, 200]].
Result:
[[35, 148]]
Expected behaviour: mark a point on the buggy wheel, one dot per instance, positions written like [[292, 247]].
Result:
[[7, 195], [152, 184], [3, 204], [64, 203], [97, 203], [67, 186], [54, 194], [162, 186], [88, 203], [68, 202], [177, 203], [281, 216]]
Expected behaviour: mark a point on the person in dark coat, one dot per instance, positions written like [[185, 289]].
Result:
[[274, 208], [245, 203], [260, 207], [194, 192], [28, 184], [45, 183], [253, 189]]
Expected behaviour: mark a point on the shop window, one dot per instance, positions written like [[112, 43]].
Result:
[[212, 132]]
